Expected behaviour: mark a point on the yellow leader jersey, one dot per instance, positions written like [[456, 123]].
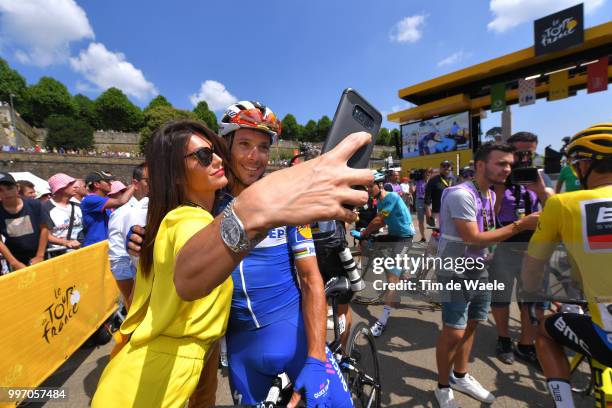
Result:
[[582, 220], [156, 307]]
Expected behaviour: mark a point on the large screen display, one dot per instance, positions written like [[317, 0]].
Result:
[[438, 135]]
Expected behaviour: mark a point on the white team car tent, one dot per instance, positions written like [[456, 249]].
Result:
[[40, 185]]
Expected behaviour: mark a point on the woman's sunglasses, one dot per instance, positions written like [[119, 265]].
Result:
[[203, 155]]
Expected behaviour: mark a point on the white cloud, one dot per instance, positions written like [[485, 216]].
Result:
[[215, 94], [408, 29], [453, 58], [106, 69], [510, 13], [40, 31]]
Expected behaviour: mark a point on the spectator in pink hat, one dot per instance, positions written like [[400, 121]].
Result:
[[66, 219], [116, 188]]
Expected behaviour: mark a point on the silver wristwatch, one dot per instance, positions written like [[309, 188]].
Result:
[[232, 231]]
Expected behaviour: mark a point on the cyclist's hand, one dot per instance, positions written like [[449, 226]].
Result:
[[313, 379], [530, 222], [134, 239], [356, 234]]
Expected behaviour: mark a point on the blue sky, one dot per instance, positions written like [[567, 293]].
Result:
[[296, 57]]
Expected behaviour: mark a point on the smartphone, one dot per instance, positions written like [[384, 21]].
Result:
[[354, 114], [524, 175]]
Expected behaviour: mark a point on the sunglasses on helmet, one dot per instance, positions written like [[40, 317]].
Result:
[[254, 118], [203, 155]]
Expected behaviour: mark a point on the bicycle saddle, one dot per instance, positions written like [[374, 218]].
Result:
[[337, 286]]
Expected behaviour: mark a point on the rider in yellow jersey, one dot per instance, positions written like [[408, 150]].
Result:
[[582, 221]]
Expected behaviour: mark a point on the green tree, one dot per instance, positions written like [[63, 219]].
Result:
[[291, 129], [68, 132], [159, 100], [11, 82], [494, 133], [382, 137], [85, 110], [207, 116], [323, 126], [116, 112], [393, 136], [48, 97], [310, 131], [157, 116]]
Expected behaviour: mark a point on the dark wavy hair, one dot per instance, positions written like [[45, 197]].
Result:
[[165, 156]]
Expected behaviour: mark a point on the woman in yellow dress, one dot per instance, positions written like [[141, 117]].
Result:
[[170, 337]]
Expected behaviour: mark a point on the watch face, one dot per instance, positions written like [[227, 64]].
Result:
[[231, 232]]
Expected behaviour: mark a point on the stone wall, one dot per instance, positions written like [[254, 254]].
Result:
[[111, 141], [45, 165], [25, 136]]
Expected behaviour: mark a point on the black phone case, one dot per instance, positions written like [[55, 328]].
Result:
[[345, 123]]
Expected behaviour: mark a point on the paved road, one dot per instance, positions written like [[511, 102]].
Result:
[[406, 353], [407, 360]]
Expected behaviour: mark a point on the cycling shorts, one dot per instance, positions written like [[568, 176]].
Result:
[[258, 356], [577, 332]]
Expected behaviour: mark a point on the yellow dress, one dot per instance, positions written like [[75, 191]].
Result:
[[170, 337]]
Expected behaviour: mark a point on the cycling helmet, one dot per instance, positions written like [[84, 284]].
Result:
[[379, 177], [249, 114], [594, 143]]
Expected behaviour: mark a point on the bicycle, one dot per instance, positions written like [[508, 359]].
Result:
[[588, 377], [363, 382]]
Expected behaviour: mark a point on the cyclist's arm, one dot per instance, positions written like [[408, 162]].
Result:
[[314, 305], [542, 244], [377, 223]]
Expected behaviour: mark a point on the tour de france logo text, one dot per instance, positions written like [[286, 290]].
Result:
[[63, 308], [558, 30]]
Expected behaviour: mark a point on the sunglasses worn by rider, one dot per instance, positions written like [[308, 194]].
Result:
[[203, 155]]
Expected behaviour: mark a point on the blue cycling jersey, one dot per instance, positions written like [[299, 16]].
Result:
[[265, 284]]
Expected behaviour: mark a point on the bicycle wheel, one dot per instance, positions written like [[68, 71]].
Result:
[[361, 379], [581, 376]]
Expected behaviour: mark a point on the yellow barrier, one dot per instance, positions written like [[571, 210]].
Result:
[[49, 310]]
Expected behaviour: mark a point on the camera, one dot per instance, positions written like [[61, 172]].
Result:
[[523, 171]]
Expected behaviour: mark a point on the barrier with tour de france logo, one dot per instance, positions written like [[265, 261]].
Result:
[[49, 310]]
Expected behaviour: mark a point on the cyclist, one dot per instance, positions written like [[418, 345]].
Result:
[[275, 326], [582, 220], [392, 211]]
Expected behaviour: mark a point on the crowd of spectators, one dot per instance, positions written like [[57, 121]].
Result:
[[70, 152]]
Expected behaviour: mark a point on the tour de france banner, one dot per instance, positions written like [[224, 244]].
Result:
[[49, 310]]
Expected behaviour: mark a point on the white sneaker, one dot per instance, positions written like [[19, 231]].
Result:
[[445, 398], [469, 385], [377, 329]]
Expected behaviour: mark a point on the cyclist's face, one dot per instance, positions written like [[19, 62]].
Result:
[[250, 154], [498, 166]]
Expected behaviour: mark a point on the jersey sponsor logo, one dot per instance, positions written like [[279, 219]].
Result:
[[597, 225], [570, 334], [323, 390], [305, 231]]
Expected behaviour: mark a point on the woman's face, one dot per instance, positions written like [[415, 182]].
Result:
[[201, 178]]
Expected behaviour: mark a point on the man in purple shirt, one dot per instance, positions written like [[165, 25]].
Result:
[[514, 202]]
